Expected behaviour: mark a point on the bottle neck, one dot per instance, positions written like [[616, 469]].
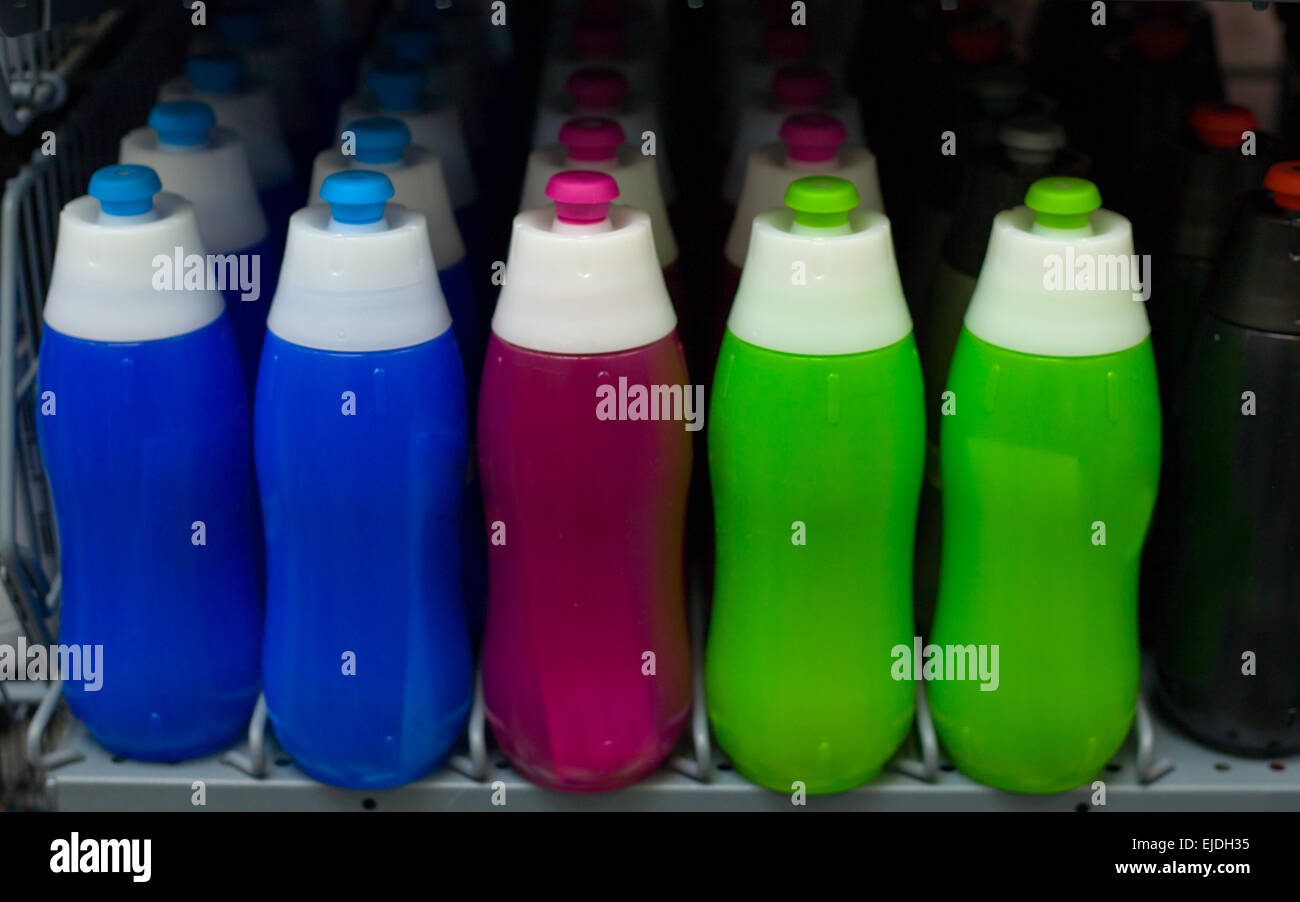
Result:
[[1083, 231], [560, 227], [357, 228], [812, 166], [799, 228], [112, 219], [599, 165]]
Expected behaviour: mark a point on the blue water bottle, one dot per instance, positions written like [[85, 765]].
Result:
[[360, 437], [383, 144], [144, 428], [208, 166]]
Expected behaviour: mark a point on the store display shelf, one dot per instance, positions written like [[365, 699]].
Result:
[[1201, 780]]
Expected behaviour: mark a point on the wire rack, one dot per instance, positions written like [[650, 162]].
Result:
[[147, 47]]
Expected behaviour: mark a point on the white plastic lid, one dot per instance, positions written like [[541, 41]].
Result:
[[215, 178], [103, 287], [1014, 307], [770, 172], [582, 290], [419, 185], [358, 289], [850, 299]]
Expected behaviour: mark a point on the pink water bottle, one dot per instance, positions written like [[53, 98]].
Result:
[[585, 424]]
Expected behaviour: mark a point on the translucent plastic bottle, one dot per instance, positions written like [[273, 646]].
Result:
[[208, 166], [360, 434], [816, 449], [585, 661], [144, 428], [1050, 454]]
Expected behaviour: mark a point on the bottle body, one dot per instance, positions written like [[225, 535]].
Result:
[[156, 526], [1234, 580], [1049, 471], [814, 520], [361, 466], [586, 659]]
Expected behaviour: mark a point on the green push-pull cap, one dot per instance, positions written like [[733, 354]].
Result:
[[1062, 201], [821, 201]]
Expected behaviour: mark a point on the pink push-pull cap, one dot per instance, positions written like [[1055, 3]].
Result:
[[786, 42], [597, 40], [812, 137], [597, 89], [802, 87], [591, 138], [581, 196]]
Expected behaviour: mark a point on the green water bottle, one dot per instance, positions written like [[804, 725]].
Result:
[[1050, 456], [816, 451]]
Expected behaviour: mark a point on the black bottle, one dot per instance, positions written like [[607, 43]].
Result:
[[1234, 576]]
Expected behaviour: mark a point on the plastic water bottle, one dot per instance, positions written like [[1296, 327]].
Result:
[[144, 428], [383, 144], [1029, 148], [1233, 580], [207, 165], [585, 660], [1050, 455], [816, 451], [247, 108], [360, 435]]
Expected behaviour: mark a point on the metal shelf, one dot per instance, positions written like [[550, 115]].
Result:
[[1202, 780]]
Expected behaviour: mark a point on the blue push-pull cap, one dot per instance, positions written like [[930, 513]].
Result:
[[356, 196], [396, 85], [379, 139], [413, 43], [125, 189], [244, 28], [182, 123], [215, 73]]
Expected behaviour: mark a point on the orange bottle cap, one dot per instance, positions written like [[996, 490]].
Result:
[[1221, 124], [1283, 180]]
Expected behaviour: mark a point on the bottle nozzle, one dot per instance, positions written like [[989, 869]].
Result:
[[1063, 202], [356, 196], [215, 73], [581, 196], [379, 139], [812, 137], [182, 123], [1283, 180], [1221, 124], [125, 189], [590, 139], [821, 201], [597, 89]]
